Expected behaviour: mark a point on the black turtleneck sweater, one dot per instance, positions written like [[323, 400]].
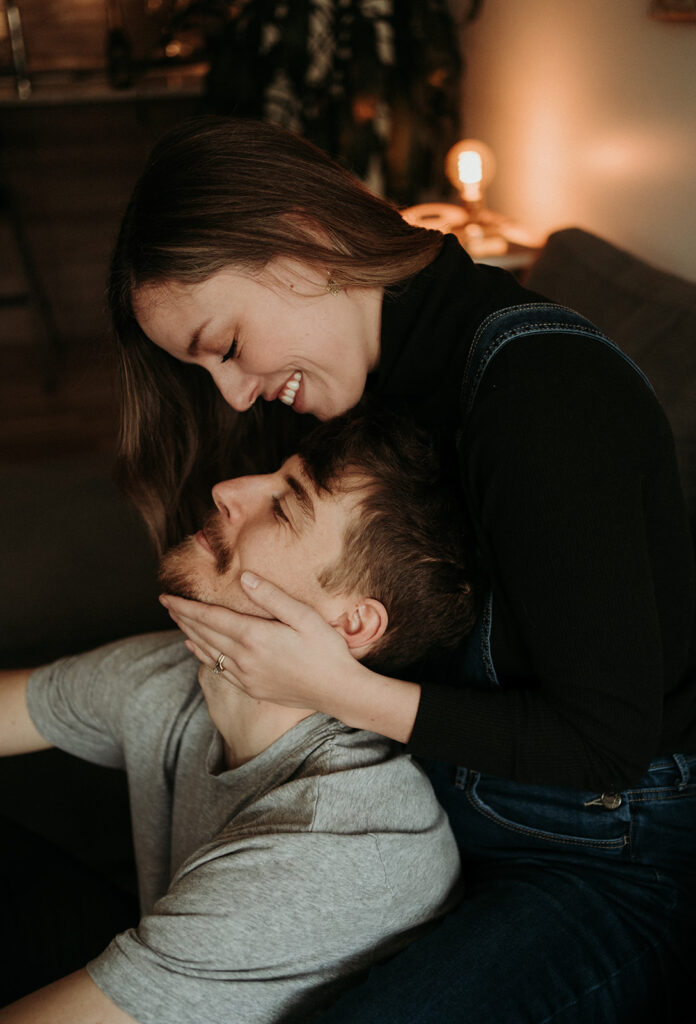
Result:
[[568, 472]]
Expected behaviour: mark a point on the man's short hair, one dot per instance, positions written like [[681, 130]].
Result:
[[408, 544]]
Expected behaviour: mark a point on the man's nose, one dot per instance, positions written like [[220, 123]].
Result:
[[236, 499], [240, 390]]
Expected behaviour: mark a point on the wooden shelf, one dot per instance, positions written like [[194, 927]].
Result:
[[66, 88]]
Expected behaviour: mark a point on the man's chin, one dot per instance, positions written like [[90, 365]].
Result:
[[176, 575], [180, 574]]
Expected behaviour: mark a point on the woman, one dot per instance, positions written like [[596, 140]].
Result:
[[248, 254]]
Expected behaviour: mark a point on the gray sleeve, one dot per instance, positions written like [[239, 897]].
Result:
[[79, 703], [260, 931]]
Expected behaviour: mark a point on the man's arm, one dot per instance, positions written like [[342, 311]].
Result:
[[18, 734], [74, 999]]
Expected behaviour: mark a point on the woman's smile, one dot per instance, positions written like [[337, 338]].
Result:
[[278, 334], [291, 389]]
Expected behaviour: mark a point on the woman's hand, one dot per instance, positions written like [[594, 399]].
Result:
[[289, 659], [295, 659]]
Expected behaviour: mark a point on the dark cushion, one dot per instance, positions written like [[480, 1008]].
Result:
[[78, 565], [650, 314]]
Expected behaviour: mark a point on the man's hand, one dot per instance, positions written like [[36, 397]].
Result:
[[74, 999], [18, 734]]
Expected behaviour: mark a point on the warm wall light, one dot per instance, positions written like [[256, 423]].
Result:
[[470, 166]]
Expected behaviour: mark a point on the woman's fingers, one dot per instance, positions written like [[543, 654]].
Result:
[[209, 659], [212, 630], [204, 655], [210, 616], [281, 655], [278, 603], [200, 630], [213, 624]]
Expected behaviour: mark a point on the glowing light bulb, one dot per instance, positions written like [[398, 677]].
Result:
[[470, 166]]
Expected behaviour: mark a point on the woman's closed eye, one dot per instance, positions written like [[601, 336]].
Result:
[[231, 352]]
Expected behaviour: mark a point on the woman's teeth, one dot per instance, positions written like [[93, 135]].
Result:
[[287, 395]]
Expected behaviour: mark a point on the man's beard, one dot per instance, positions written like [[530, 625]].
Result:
[[177, 571]]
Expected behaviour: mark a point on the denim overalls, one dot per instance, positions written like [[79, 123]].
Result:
[[579, 907], [593, 829]]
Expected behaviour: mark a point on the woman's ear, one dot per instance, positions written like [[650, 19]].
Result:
[[362, 625], [295, 276]]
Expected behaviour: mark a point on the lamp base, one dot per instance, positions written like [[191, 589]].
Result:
[[486, 236], [444, 217], [481, 239], [477, 231]]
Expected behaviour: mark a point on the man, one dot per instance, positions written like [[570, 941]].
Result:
[[279, 852]]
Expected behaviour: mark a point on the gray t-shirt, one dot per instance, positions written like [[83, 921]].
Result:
[[264, 888]]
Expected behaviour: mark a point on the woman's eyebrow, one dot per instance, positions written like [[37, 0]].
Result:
[[192, 347], [303, 496]]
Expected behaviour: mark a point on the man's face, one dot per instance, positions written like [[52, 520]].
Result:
[[275, 525]]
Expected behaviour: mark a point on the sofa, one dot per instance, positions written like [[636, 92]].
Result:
[[650, 314], [79, 570]]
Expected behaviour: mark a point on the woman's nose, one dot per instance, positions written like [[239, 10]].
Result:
[[240, 390]]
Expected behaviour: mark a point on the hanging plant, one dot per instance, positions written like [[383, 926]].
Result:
[[375, 83]]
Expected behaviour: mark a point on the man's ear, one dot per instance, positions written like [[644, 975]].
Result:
[[362, 625]]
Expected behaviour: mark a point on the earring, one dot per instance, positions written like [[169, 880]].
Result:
[[333, 287]]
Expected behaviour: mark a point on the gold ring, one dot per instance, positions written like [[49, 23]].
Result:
[[218, 665]]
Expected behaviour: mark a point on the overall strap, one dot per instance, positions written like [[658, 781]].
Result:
[[516, 321]]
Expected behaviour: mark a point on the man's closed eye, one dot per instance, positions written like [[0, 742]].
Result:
[[278, 511]]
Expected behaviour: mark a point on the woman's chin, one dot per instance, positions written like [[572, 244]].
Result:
[[325, 406], [331, 409]]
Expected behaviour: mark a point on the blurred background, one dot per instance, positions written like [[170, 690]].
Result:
[[88, 86], [588, 109]]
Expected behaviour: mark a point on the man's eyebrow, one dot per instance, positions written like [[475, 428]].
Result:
[[303, 496]]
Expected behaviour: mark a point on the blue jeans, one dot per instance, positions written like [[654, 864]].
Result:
[[578, 907]]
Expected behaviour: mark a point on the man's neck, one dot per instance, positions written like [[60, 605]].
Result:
[[247, 726]]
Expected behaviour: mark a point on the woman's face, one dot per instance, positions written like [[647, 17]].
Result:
[[278, 335]]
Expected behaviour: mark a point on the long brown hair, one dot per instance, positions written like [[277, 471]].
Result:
[[221, 192]]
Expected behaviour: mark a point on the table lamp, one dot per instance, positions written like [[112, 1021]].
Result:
[[470, 166]]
